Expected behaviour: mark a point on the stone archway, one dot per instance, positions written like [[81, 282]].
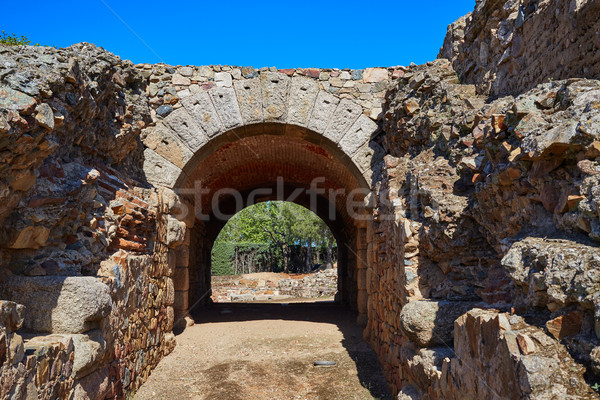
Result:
[[267, 137]]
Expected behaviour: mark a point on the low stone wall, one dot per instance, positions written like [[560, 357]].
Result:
[[255, 287]]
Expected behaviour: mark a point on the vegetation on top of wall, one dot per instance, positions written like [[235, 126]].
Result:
[[14, 40]]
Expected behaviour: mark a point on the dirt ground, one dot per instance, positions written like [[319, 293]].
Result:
[[267, 351]]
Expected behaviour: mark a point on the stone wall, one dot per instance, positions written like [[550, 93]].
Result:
[[508, 47], [496, 205], [83, 240], [89, 244], [476, 272], [265, 286]]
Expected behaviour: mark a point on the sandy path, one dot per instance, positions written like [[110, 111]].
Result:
[[267, 351]]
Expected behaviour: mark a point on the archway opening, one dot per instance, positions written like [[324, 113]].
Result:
[[274, 251], [271, 162]]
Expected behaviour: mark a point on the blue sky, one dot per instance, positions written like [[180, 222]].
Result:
[[348, 34]]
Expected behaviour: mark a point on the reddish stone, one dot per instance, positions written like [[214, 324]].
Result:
[[288, 72], [128, 245], [498, 123], [311, 72], [526, 344], [208, 85], [479, 134], [550, 197], [105, 185], [468, 142], [391, 161], [125, 234], [51, 171], [43, 201], [477, 178], [507, 176], [397, 74], [501, 297], [541, 168], [71, 239], [568, 203], [593, 150], [589, 167], [131, 199], [565, 325]]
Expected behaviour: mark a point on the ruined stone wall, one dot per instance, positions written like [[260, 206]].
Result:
[[93, 255], [83, 237], [496, 205], [477, 272], [508, 47]]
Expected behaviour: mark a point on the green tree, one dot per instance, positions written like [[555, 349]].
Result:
[[279, 227]]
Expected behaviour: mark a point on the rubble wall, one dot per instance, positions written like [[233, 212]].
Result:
[[91, 249], [83, 237], [486, 205], [478, 270]]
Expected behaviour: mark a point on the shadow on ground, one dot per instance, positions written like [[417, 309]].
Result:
[[369, 370]]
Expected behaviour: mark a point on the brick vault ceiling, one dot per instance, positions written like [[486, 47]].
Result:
[[258, 161]]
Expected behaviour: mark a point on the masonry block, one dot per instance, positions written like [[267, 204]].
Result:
[[275, 87], [249, 96], [159, 170], [303, 94], [184, 126], [201, 108], [324, 107], [226, 103], [358, 134], [181, 278], [346, 113], [181, 301]]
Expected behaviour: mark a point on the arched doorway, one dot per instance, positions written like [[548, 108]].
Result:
[[270, 167], [267, 138]]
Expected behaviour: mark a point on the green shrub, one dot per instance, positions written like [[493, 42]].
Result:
[[222, 258], [251, 257], [14, 40]]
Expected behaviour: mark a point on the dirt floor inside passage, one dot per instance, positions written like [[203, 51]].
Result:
[[267, 351]]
